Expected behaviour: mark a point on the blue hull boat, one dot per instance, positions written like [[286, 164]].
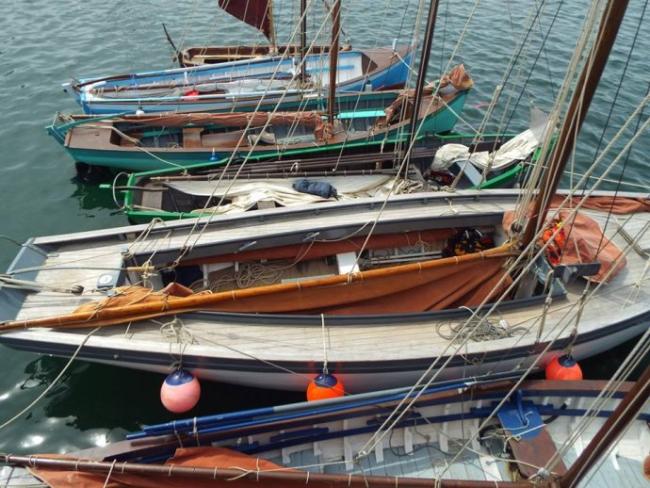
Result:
[[240, 85]]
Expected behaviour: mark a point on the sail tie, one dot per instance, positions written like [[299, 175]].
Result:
[[110, 472]]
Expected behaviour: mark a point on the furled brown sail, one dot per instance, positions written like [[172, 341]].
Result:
[[415, 287], [215, 458]]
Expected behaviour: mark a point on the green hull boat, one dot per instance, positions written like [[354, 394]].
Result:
[[204, 190]]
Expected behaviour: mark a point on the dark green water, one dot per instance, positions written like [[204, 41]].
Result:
[[44, 43]]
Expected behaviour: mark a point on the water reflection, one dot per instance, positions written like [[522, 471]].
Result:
[[91, 196]]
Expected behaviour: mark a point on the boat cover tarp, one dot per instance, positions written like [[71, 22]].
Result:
[[246, 194], [197, 457], [516, 149], [456, 80], [254, 12], [584, 243]]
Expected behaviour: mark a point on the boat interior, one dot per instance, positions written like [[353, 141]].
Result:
[[298, 259], [219, 273], [355, 117], [352, 65], [445, 434], [196, 56], [202, 196], [194, 91], [186, 194]]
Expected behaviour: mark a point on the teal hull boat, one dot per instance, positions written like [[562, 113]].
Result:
[[163, 141]]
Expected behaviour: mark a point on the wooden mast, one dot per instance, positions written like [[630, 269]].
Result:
[[272, 37], [422, 71], [334, 55], [625, 412], [303, 40], [578, 107]]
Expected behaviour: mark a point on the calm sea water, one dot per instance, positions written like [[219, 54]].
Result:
[[44, 43]]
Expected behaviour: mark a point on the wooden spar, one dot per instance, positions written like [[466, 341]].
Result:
[[576, 113], [422, 72], [272, 37], [334, 55], [303, 39], [162, 307], [233, 477], [625, 412]]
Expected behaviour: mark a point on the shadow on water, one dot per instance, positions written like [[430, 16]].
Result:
[[99, 396], [92, 396]]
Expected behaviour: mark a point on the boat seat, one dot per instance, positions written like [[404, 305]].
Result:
[[470, 172], [528, 437], [536, 452], [192, 137]]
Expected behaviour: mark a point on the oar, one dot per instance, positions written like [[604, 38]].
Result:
[[226, 421]]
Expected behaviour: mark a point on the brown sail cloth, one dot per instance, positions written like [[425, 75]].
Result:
[[197, 457], [254, 12], [415, 287], [615, 204], [585, 243]]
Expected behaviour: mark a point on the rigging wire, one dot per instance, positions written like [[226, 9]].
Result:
[[535, 361], [542, 249], [532, 68]]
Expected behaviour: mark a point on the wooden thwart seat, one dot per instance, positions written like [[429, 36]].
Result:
[[192, 137], [531, 444], [536, 451]]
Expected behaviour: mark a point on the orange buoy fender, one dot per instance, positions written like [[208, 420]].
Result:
[[564, 368], [325, 386]]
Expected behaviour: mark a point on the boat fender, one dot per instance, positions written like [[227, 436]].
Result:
[[325, 386], [564, 368], [318, 188], [180, 391]]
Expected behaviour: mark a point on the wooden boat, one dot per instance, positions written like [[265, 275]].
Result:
[[260, 16], [248, 80], [194, 56], [159, 141], [378, 287], [278, 279], [239, 85], [469, 434], [169, 195]]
